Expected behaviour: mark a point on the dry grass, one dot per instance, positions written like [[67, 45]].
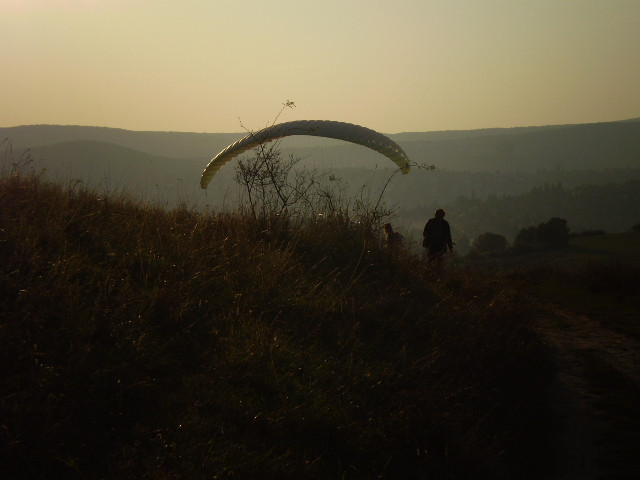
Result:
[[139, 342]]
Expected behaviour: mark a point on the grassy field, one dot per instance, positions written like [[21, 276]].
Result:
[[580, 252], [614, 246], [597, 275], [143, 343]]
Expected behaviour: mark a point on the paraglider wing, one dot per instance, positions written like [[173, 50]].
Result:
[[317, 128]]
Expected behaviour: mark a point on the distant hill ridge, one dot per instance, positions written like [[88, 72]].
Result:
[[595, 145], [166, 144]]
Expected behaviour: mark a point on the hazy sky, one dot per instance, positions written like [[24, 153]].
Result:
[[391, 65]]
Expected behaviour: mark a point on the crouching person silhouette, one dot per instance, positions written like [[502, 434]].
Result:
[[393, 240]]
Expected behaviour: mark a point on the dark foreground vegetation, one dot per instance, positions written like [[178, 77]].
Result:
[[143, 343]]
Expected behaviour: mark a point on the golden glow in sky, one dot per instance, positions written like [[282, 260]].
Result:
[[392, 65]]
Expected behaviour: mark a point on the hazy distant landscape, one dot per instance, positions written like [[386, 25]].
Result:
[[498, 180]]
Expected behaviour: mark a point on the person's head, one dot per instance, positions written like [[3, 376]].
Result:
[[439, 213], [388, 228]]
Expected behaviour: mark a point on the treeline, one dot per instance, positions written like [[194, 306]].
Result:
[[550, 234], [422, 187], [609, 207]]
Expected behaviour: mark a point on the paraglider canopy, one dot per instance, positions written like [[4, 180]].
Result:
[[318, 128]]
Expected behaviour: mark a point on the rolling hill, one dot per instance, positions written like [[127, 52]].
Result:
[[565, 147]]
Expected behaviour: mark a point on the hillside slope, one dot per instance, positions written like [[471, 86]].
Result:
[[103, 162], [143, 342]]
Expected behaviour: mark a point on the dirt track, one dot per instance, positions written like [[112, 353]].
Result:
[[596, 396]]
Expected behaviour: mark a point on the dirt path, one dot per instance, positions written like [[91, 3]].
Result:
[[596, 396]]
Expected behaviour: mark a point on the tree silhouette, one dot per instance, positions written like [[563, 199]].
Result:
[[489, 242]]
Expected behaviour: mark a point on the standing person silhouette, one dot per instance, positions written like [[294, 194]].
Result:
[[437, 237]]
